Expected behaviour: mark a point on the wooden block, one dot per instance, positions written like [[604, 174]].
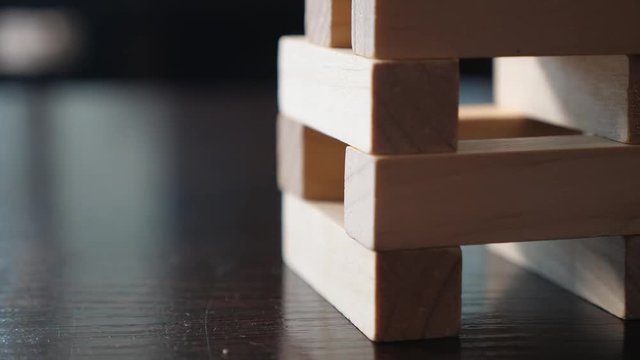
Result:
[[382, 107], [491, 122], [389, 296], [604, 270], [597, 94], [328, 22], [421, 29], [491, 191], [310, 164]]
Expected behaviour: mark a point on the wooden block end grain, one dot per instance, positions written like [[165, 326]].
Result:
[[388, 296], [415, 106], [328, 22], [380, 107], [422, 285]]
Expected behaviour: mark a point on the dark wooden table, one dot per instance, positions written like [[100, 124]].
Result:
[[141, 221]]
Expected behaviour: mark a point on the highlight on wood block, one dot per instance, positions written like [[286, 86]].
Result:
[[388, 296], [421, 29], [328, 22], [596, 94], [381, 107], [603, 270], [310, 164], [491, 191]]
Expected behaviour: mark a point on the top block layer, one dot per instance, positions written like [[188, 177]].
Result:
[[328, 22], [412, 29]]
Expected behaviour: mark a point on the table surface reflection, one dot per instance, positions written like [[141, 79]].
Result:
[[142, 221]]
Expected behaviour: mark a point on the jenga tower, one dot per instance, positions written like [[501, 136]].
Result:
[[384, 176]]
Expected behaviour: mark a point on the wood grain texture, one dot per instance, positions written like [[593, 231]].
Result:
[[491, 122], [328, 22], [492, 191], [597, 94], [389, 296], [381, 107], [310, 164], [420, 29], [601, 270]]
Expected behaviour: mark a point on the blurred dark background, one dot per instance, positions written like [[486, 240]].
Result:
[[194, 40]]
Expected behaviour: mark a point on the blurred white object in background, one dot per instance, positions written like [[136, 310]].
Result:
[[37, 41]]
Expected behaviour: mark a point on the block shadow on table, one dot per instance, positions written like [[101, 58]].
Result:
[[507, 313]]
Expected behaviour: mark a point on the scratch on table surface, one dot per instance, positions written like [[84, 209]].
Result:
[[206, 331]]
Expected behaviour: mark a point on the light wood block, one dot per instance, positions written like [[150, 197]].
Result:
[[382, 107], [492, 122], [388, 296], [604, 271], [310, 164], [412, 29], [328, 22], [597, 94], [492, 191]]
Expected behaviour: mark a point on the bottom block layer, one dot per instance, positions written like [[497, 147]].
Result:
[[389, 296], [605, 271]]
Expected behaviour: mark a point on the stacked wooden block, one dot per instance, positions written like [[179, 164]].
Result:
[[384, 176]]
